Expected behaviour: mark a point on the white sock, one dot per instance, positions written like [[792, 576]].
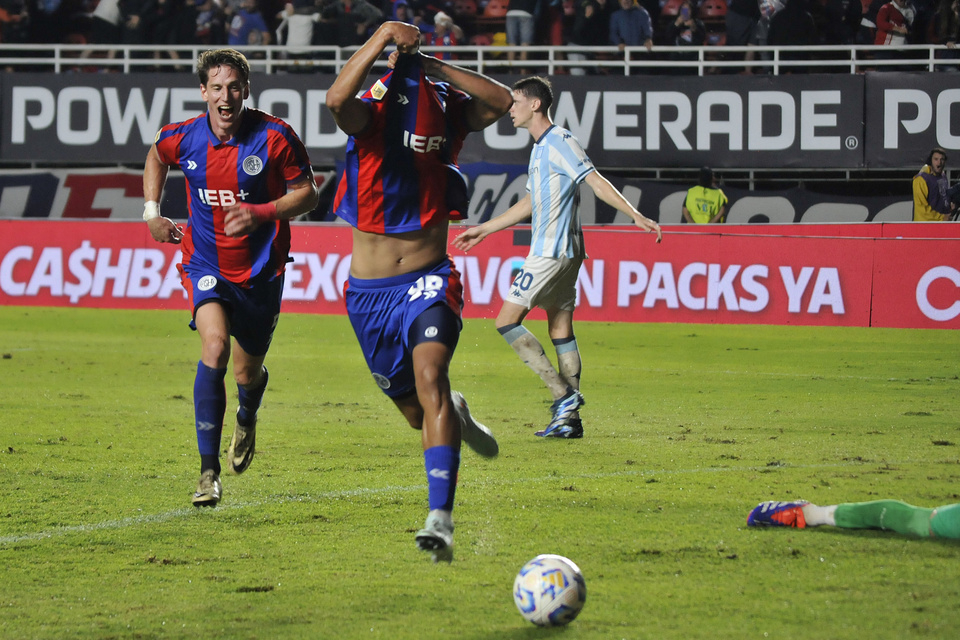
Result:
[[526, 345], [568, 359], [816, 516]]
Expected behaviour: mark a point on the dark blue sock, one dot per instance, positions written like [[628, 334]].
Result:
[[209, 405], [442, 464], [249, 400]]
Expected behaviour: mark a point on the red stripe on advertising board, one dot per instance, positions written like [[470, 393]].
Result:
[[691, 277]]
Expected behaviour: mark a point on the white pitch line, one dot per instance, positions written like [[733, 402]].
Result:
[[187, 512]]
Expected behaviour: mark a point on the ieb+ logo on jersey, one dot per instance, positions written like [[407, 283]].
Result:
[[221, 197], [422, 144]]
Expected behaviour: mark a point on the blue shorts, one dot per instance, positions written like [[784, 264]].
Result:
[[253, 311], [388, 317]]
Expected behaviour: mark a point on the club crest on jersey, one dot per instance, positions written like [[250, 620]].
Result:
[[382, 381], [206, 283], [378, 90], [252, 165]]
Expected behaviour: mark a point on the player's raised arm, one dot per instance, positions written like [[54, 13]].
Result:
[[154, 176], [491, 99], [349, 112]]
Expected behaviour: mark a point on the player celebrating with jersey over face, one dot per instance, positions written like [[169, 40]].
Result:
[[399, 189], [247, 175]]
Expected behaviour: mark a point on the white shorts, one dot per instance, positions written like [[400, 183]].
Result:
[[548, 283]]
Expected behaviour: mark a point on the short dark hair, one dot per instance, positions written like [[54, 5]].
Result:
[[222, 57], [537, 88], [939, 150], [706, 177]]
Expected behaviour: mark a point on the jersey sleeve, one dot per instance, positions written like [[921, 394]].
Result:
[[457, 103], [168, 144], [575, 161], [293, 157]]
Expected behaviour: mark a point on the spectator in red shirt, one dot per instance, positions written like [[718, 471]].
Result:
[[893, 23]]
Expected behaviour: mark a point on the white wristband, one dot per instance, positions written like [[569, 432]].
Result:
[[151, 210]]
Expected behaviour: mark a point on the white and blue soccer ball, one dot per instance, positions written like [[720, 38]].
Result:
[[549, 590]]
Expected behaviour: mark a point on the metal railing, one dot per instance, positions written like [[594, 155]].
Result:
[[707, 60]]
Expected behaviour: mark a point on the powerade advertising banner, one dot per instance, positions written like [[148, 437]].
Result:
[[792, 121], [878, 275], [909, 114], [118, 194]]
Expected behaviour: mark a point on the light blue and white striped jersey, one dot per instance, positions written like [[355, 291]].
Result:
[[558, 164]]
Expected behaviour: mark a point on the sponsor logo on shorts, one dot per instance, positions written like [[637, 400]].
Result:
[[206, 283], [431, 332], [252, 165], [382, 381]]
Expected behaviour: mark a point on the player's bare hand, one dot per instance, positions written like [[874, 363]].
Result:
[[241, 219], [164, 230], [469, 239], [647, 224]]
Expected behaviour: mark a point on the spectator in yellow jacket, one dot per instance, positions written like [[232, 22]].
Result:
[[931, 202]]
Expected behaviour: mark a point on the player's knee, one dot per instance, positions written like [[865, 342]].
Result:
[[248, 376], [429, 385], [216, 352]]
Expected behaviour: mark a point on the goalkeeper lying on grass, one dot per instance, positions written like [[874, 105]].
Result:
[[887, 515]]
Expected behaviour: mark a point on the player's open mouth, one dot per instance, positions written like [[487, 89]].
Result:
[[225, 112]]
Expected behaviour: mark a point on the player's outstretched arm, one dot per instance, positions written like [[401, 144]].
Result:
[[154, 176], [491, 99], [612, 196], [241, 219], [349, 112], [472, 237]]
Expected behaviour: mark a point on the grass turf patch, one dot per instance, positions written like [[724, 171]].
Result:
[[687, 428]]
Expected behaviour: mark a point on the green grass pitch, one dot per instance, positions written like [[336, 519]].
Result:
[[687, 428]]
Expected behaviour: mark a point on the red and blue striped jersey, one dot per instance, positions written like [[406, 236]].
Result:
[[256, 166], [401, 171]]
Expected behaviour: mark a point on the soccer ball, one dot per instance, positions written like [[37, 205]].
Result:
[[549, 590]]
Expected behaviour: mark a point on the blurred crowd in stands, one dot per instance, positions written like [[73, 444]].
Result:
[[301, 23]]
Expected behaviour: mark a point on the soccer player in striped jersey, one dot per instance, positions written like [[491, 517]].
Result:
[[548, 278], [399, 189], [247, 175]]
